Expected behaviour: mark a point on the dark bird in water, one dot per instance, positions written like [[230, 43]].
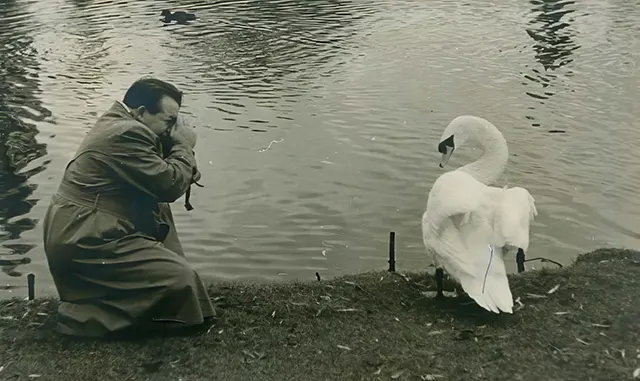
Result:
[[181, 17]]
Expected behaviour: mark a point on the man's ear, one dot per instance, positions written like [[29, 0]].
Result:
[[138, 112]]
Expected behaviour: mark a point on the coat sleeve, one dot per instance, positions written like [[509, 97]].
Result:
[[138, 160]]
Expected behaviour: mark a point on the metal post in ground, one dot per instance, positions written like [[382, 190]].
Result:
[[31, 286], [392, 252]]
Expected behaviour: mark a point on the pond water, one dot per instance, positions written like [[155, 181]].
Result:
[[319, 120]]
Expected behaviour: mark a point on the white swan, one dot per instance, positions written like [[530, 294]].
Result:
[[468, 225]]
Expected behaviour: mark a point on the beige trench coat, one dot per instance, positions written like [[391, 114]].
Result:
[[109, 235]]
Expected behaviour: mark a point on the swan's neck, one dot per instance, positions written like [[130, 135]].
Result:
[[490, 166]]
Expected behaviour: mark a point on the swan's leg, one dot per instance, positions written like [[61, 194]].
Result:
[[520, 260], [439, 283]]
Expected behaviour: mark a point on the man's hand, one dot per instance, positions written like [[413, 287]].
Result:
[[183, 132], [196, 175]]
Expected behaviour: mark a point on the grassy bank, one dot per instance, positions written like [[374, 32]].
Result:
[[375, 326]]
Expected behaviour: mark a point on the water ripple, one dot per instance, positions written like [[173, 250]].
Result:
[[356, 94]]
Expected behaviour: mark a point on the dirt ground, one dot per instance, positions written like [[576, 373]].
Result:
[[577, 323]]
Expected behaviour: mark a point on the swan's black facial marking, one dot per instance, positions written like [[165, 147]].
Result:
[[448, 142], [446, 148]]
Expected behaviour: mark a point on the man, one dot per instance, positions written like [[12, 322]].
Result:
[[109, 234]]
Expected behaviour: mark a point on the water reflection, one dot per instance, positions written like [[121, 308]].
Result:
[[553, 46], [19, 105], [267, 51]]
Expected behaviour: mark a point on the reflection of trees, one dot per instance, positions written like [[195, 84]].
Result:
[[553, 44], [18, 104]]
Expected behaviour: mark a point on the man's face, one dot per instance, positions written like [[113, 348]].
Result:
[[162, 122]]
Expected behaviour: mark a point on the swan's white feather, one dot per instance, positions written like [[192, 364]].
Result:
[[464, 221]]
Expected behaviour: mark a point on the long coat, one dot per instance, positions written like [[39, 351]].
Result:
[[109, 235]]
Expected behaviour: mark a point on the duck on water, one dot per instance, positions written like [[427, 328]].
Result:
[[181, 17]]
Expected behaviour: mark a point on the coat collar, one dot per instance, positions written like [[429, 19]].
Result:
[[124, 106]]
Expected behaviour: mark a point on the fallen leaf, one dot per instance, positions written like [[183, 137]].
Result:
[[431, 377], [253, 355], [554, 289], [435, 332], [377, 372], [562, 313], [582, 341], [397, 374], [273, 314], [246, 352], [636, 373], [34, 376], [344, 347]]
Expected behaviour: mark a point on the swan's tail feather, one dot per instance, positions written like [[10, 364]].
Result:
[[491, 290], [494, 300]]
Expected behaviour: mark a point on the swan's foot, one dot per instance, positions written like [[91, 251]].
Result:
[[439, 283], [520, 260]]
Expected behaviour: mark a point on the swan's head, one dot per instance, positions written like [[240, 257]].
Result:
[[461, 130]]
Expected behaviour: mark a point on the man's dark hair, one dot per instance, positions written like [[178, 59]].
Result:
[[147, 92]]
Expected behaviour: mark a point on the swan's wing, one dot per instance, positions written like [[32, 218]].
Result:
[[477, 263], [515, 211], [502, 219], [458, 226]]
